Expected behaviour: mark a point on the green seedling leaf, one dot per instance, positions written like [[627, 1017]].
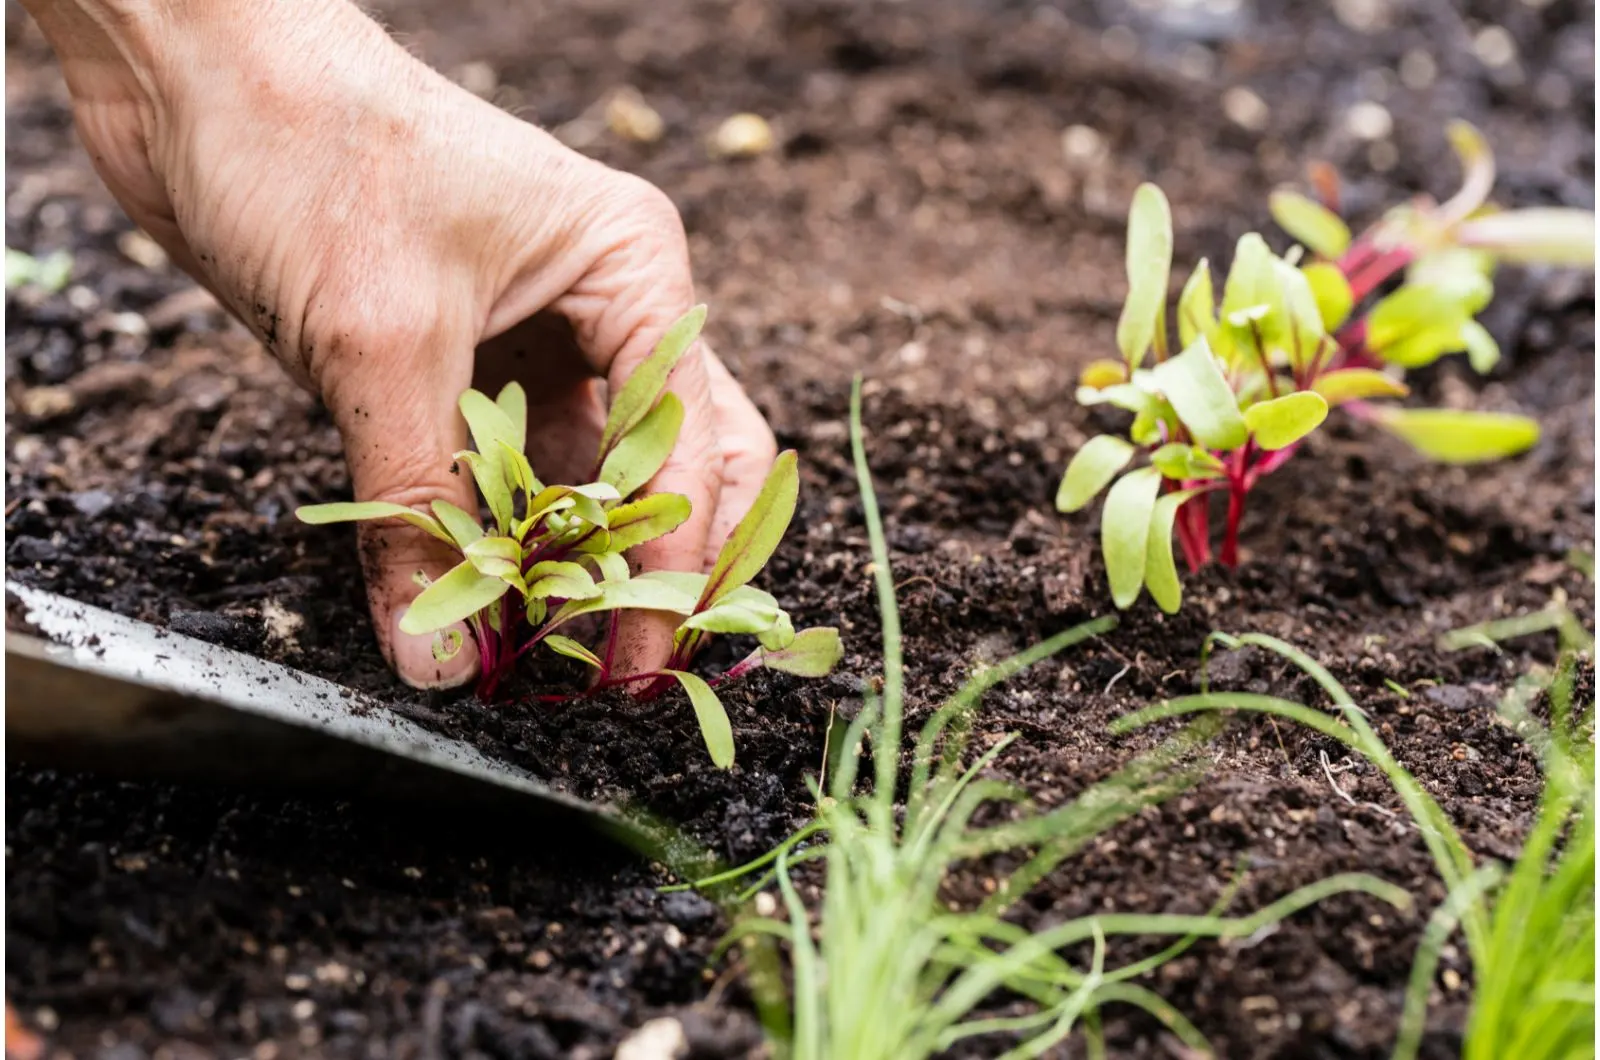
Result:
[[1177, 460], [1197, 307], [1417, 325], [49, 274], [1457, 274], [1310, 223], [644, 593], [779, 635], [1099, 374], [812, 653], [1091, 469], [362, 511], [1249, 294], [1129, 396], [1483, 353], [1538, 236], [1160, 571], [756, 537], [447, 644], [518, 472], [613, 567], [561, 579], [513, 404], [639, 454], [573, 650], [498, 557], [461, 526], [490, 475], [1125, 532], [645, 519], [1302, 316], [1332, 293], [1195, 387], [458, 595], [1282, 421], [638, 395], [1461, 437], [688, 583], [1477, 164], [1149, 264], [713, 719], [489, 424], [1353, 384]]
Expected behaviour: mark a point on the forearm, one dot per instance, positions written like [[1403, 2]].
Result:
[[153, 51]]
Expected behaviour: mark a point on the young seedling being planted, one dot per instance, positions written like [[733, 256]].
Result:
[[550, 554], [1332, 323]]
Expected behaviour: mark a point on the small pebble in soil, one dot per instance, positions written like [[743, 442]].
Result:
[[657, 1039]]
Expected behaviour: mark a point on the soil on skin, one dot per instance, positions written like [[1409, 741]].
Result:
[[919, 220]]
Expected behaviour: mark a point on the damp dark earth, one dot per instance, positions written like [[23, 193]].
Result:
[[942, 209]]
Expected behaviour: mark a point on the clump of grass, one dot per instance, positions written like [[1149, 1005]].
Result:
[[1530, 926], [887, 971]]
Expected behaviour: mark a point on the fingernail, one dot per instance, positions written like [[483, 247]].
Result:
[[418, 667]]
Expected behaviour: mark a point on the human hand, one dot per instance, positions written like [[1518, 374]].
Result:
[[392, 240]]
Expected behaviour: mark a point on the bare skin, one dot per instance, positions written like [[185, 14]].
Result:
[[393, 239]]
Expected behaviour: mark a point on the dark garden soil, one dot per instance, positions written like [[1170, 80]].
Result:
[[921, 221]]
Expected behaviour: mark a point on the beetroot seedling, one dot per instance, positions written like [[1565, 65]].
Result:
[[550, 554], [1333, 323]]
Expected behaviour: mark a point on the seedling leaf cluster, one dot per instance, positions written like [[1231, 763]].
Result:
[[1230, 393], [551, 554]]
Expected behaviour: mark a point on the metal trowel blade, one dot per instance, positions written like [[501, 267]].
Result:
[[90, 689]]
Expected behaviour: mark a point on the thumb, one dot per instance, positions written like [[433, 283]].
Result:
[[396, 411]]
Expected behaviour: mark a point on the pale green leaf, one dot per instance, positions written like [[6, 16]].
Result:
[[447, 644], [490, 475], [458, 595], [513, 403], [638, 395], [1332, 294], [689, 583], [1413, 309], [713, 719], [461, 526], [779, 635], [646, 519], [1354, 384], [636, 594], [1125, 532], [1160, 571], [1197, 307], [1281, 421], [1195, 387], [1309, 222], [1482, 351], [728, 617], [499, 557], [1537, 236], [1301, 329], [758, 534], [613, 567], [362, 511], [573, 650], [812, 653], [1477, 164], [1091, 468], [639, 454], [1178, 460], [1149, 265], [518, 472], [1252, 279], [1122, 395], [1461, 437], [1458, 275], [561, 579]]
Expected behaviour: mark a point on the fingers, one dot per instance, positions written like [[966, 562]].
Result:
[[748, 453], [395, 405]]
